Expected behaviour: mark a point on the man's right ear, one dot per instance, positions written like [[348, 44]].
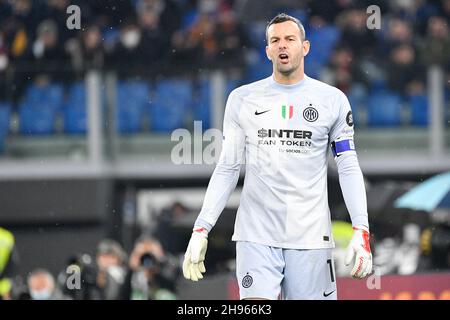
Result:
[[267, 53]]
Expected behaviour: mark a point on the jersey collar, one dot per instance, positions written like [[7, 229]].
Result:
[[288, 87]]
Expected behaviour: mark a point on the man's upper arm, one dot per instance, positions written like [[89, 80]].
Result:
[[233, 143], [342, 131]]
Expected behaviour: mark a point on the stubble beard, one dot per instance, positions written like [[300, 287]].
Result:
[[287, 70]]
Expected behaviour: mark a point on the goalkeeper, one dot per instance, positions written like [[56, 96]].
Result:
[[283, 127]]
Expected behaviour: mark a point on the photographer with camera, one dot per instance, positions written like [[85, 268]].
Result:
[[102, 278], [152, 274]]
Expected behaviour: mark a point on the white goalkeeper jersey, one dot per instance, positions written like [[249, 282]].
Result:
[[283, 134]]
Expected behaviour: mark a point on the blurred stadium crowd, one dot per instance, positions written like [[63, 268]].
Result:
[[147, 273], [159, 47]]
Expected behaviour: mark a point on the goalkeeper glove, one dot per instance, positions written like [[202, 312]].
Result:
[[360, 247], [193, 264]]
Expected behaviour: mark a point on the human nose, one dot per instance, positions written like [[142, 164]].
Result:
[[282, 44]]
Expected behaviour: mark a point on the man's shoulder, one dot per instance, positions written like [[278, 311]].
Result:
[[324, 88], [252, 87]]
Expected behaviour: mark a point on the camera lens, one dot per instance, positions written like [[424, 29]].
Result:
[[148, 261]]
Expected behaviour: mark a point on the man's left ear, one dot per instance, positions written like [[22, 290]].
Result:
[[306, 45]]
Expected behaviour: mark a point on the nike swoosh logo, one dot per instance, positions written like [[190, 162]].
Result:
[[258, 113], [327, 294]]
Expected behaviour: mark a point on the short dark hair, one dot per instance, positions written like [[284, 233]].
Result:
[[283, 17]]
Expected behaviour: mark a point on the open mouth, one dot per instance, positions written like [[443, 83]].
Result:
[[284, 58]]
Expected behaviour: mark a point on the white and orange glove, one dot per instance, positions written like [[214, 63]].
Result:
[[359, 251], [193, 264]]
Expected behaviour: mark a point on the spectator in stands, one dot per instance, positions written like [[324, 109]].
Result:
[[134, 50], [355, 33], [87, 51], [405, 73], [4, 63], [153, 32], [399, 32], [339, 73], [435, 48], [57, 13], [231, 38], [41, 286], [167, 13], [47, 56], [112, 13], [29, 14]]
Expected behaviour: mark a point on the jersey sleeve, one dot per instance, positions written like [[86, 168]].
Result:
[[226, 174], [341, 133], [350, 175]]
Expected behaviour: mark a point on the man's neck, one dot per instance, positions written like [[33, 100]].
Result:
[[293, 78]]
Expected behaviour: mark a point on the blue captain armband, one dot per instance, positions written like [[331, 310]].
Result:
[[342, 145]]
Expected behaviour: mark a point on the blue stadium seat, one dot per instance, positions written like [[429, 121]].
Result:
[[75, 112], [75, 120], [258, 69], [5, 116], [384, 109], [36, 119], [171, 104], [37, 112], [202, 105], [323, 41], [357, 97], [419, 109], [77, 94], [51, 95], [133, 99]]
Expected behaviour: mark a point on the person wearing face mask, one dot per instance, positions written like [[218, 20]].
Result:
[[127, 54], [111, 271], [41, 286], [139, 44]]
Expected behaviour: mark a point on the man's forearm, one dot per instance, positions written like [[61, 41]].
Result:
[[222, 184], [353, 189]]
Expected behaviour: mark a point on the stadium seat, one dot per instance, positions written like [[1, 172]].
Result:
[[384, 109], [75, 113], [323, 41], [258, 69], [133, 99], [419, 109], [357, 97], [5, 116], [171, 104], [51, 95], [75, 120], [202, 105], [38, 111], [36, 119]]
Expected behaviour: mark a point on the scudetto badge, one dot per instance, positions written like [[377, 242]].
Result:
[[349, 119]]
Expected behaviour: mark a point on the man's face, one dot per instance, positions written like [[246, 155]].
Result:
[[285, 47], [105, 260], [41, 287]]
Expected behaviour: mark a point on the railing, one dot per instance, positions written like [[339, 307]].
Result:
[[111, 146]]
